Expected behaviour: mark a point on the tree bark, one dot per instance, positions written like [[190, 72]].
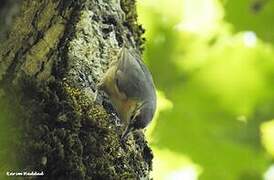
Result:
[[55, 54], [8, 10]]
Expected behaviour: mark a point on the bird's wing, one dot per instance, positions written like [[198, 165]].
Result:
[[130, 77]]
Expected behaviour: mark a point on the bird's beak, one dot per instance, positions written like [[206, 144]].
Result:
[[126, 133]]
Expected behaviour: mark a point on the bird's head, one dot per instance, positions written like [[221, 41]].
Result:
[[140, 118]]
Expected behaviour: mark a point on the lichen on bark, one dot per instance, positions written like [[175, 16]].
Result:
[[56, 53]]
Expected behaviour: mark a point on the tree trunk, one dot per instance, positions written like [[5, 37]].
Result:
[[8, 10], [55, 54]]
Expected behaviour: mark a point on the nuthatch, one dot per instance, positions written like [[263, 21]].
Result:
[[129, 85]]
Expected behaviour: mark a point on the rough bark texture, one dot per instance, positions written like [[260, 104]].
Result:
[[56, 52], [8, 10]]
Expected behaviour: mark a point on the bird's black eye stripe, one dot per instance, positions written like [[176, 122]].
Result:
[[116, 80], [140, 105], [134, 114]]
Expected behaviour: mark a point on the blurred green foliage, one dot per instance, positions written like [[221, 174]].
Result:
[[213, 61], [255, 15]]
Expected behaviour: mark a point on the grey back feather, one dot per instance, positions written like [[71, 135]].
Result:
[[133, 78]]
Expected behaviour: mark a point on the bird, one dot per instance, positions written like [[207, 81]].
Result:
[[131, 90]]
